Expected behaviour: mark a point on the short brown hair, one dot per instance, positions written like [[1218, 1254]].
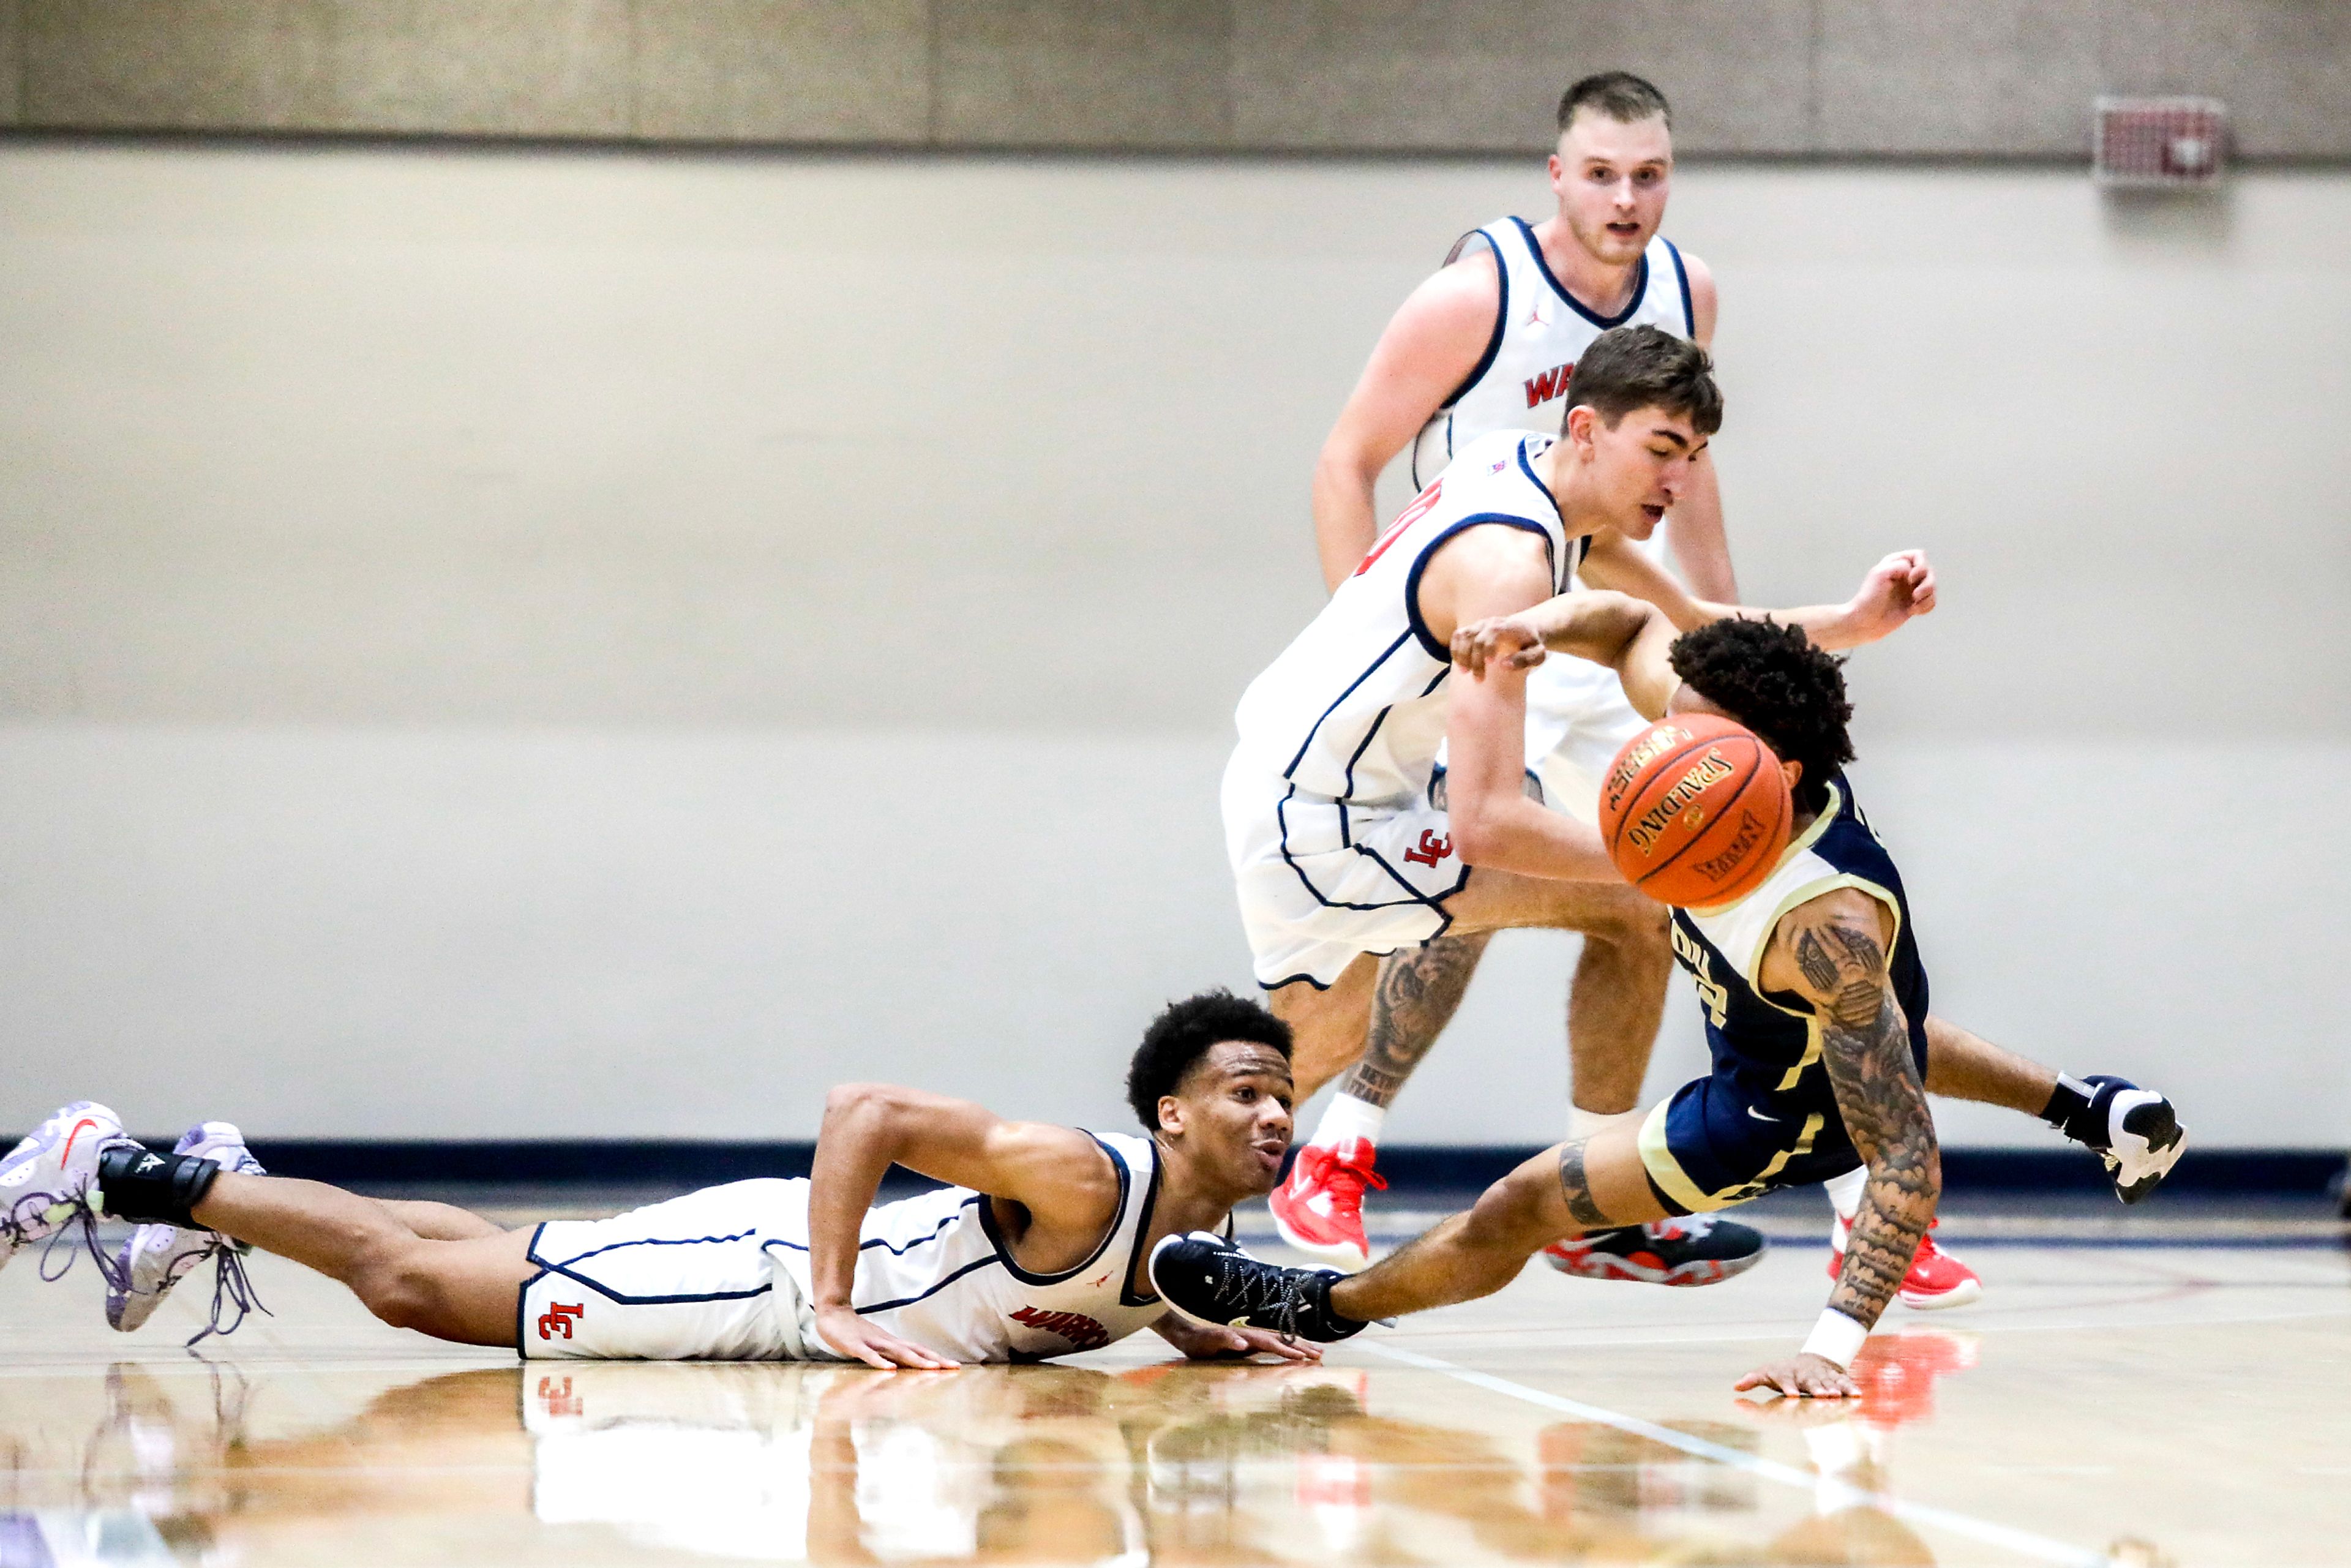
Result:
[[1629, 368], [1620, 95]]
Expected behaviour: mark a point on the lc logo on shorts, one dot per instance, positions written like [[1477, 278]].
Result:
[[559, 1318], [1431, 848]]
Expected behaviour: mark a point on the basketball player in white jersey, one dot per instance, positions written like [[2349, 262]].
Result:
[[1343, 845], [1037, 1251], [1487, 343]]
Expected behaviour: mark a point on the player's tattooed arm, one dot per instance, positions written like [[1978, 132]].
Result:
[[1418, 991], [1833, 952]]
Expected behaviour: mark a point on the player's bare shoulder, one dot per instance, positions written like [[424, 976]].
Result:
[[1456, 304]]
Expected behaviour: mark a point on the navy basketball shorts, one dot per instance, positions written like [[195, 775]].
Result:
[[1715, 1143]]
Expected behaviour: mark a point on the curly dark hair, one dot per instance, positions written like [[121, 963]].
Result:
[[1183, 1033], [1773, 679]]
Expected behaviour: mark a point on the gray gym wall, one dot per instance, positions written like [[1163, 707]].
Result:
[[607, 641]]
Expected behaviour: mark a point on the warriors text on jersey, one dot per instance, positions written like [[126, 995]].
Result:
[[724, 1274], [1767, 1116], [1540, 331]]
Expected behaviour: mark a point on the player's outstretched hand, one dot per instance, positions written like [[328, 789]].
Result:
[[1897, 588], [1803, 1376], [1511, 640], [852, 1336], [1201, 1342]]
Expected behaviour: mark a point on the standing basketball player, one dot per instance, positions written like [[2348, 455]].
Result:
[[1489, 343]]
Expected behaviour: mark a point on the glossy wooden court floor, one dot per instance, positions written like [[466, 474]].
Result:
[[2178, 1403]]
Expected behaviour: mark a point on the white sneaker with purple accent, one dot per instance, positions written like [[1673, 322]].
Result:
[[44, 1181], [158, 1256]]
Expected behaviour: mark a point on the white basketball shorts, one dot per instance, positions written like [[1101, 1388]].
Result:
[[687, 1280], [1577, 721], [1322, 881]]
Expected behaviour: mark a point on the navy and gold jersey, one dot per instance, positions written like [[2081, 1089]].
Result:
[[1767, 1116]]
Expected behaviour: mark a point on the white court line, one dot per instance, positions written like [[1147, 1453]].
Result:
[[1557, 1338], [2022, 1542]]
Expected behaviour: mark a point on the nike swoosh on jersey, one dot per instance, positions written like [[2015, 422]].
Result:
[[1761, 1117]]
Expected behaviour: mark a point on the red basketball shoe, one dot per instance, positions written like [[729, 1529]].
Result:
[[1319, 1209], [1936, 1280]]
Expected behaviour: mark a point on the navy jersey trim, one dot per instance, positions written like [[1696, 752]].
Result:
[[934, 1288], [1640, 283], [563, 1271], [884, 1241], [1576, 549], [522, 1292], [1428, 642], [1126, 1296], [1004, 1249], [1493, 339], [1681, 272], [1281, 820], [1373, 669]]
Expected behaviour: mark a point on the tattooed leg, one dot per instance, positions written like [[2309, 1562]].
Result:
[[1418, 992]]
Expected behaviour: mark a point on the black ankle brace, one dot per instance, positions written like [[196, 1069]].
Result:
[[2078, 1106], [141, 1184], [1322, 1322]]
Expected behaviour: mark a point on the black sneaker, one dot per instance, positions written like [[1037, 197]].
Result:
[[1210, 1280], [1695, 1249]]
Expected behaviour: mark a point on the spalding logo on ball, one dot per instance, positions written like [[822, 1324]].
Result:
[[1696, 811]]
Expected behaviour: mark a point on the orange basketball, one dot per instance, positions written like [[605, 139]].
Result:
[[1694, 811]]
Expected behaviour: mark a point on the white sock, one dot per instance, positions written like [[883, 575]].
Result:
[[1844, 1197], [1582, 1124], [1347, 1118]]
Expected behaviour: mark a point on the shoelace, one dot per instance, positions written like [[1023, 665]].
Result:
[[77, 1233], [232, 1288], [1355, 1179], [1250, 1286]]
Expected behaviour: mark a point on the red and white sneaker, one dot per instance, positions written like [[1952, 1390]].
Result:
[[1694, 1250], [1936, 1280], [1319, 1209]]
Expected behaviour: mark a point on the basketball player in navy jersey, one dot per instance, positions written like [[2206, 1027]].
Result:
[[1037, 1252], [1817, 1016], [1488, 342]]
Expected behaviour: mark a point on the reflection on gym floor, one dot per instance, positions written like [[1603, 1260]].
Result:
[[1170, 1464]]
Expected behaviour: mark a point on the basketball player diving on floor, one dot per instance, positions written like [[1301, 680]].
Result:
[[1038, 1250], [1816, 1014]]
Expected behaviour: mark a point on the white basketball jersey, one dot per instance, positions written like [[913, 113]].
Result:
[[1540, 331], [936, 1269], [1355, 709]]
